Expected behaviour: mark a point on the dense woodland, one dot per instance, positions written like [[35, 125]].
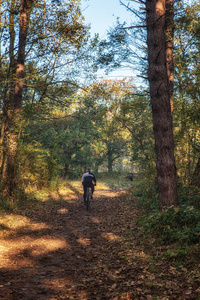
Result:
[[57, 118]]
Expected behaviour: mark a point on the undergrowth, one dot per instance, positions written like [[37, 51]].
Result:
[[173, 225], [178, 227], [24, 197], [115, 180]]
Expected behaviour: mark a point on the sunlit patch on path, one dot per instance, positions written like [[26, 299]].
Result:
[[21, 242], [111, 236], [63, 211]]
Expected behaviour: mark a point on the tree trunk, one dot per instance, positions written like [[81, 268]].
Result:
[[0, 32], [110, 159], [66, 168], [160, 101], [12, 108], [169, 21], [110, 164], [96, 168], [8, 100], [196, 175]]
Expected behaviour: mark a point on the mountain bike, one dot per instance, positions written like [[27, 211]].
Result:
[[88, 197]]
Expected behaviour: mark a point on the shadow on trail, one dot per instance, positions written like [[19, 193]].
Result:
[[66, 252]]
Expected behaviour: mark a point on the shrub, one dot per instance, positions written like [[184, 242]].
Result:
[[174, 225], [147, 195], [189, 195]]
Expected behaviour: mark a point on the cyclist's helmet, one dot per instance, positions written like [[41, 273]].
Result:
[[88, 170]]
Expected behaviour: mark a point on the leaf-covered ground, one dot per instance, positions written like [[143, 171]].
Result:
[[55, 249]]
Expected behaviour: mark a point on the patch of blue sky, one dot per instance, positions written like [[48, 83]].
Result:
[[101, 15]]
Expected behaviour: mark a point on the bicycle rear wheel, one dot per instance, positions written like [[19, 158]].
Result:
[[88, 198]]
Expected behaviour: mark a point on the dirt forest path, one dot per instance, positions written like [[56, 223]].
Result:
[[58, 250]]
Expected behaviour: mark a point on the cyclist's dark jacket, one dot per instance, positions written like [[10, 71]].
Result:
[[88, 179]]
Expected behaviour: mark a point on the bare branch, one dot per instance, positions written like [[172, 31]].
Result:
[[138, 1], [132, 10], [135, 26], [69, 82], [196, 147], [144, 77]]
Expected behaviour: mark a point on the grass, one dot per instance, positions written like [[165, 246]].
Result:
[[114, 180]]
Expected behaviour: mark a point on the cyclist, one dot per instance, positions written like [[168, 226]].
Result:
[[88, 180]]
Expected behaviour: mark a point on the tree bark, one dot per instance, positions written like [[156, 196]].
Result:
[[12, 108], [110, 159], [196, 175], [169, 21], [160, 102], [8, 99]]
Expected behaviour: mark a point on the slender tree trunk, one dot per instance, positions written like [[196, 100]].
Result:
[[169, 21], [66, 168], [160, 101], [196, 175], [110, 164], [13, 103], [110, 159], [8, 99]]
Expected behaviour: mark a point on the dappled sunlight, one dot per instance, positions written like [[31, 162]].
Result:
[[76, 184], [95, 220], [63, 211], [84, 241], [16, 222], [103, 185], [20, 245], [107, 193], [66, 193], [111, 236], [100, 190], [22, 250], [61, 250]]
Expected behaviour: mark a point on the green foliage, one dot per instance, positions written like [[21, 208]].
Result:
[[189, 196], [37, 166], [145, 189], [180, 226], [75, 173], [172, 225], [179, 253], [108, 121], [135, 116], [186, 89], [114, 50]]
